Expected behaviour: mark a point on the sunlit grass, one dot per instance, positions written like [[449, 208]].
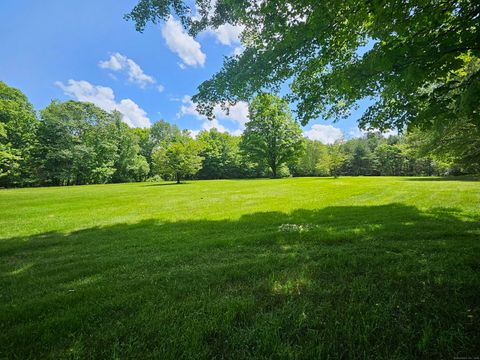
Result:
[[293, 268]]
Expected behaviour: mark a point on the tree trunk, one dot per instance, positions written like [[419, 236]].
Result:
[[274, 171], [178, 179]]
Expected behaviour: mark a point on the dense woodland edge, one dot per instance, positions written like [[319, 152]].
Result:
[[75, 143]]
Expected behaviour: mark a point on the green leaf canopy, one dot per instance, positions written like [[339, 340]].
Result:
[[415, 59]]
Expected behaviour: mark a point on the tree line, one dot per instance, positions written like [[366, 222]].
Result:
[[74, 143]]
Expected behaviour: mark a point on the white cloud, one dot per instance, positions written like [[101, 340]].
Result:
[[238, 50], [104, 98], [133, 114], [136, 74], [227, 34], [357, 132], [160, 88], [182, 44], [327, 134], [115, 63], [119, 62], [214, 124], [238, 114], [193, 133], [389, 133], [189, 108]]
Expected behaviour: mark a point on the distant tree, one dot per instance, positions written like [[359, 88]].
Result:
[[80, 143], [335, 159], [9, 158], [179, 159], [361, 159], [271, 135], [129, 164], [18, 126], [221, 155], [145, 142], [312, 160], [456, 142], [138, 168], [390, 158], [77, 144], [162, 133]]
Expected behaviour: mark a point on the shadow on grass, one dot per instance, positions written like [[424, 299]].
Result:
[[382, 281]]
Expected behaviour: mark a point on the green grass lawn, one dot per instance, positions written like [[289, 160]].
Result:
[[294, 268]]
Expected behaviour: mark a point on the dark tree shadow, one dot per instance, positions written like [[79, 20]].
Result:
[[381, 281]]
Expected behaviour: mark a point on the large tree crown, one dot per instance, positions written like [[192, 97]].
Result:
[[402, 55]]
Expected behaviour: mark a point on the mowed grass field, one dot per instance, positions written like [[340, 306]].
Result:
[[306, 268]]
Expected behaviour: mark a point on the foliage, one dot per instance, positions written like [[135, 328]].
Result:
[[145, 143], [361, 159], [271, 135], [310, 162], [371, 154], [163, 133], [78, 143], [417, 60], [179, 159], [81, 144], [456, 143], [18, 125], [221, 155], [389, 159], [138, 168], [129, 164], [9, 160], [335, 159], [75, 144]]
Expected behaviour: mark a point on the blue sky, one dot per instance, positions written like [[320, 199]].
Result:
[[85, 50]]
